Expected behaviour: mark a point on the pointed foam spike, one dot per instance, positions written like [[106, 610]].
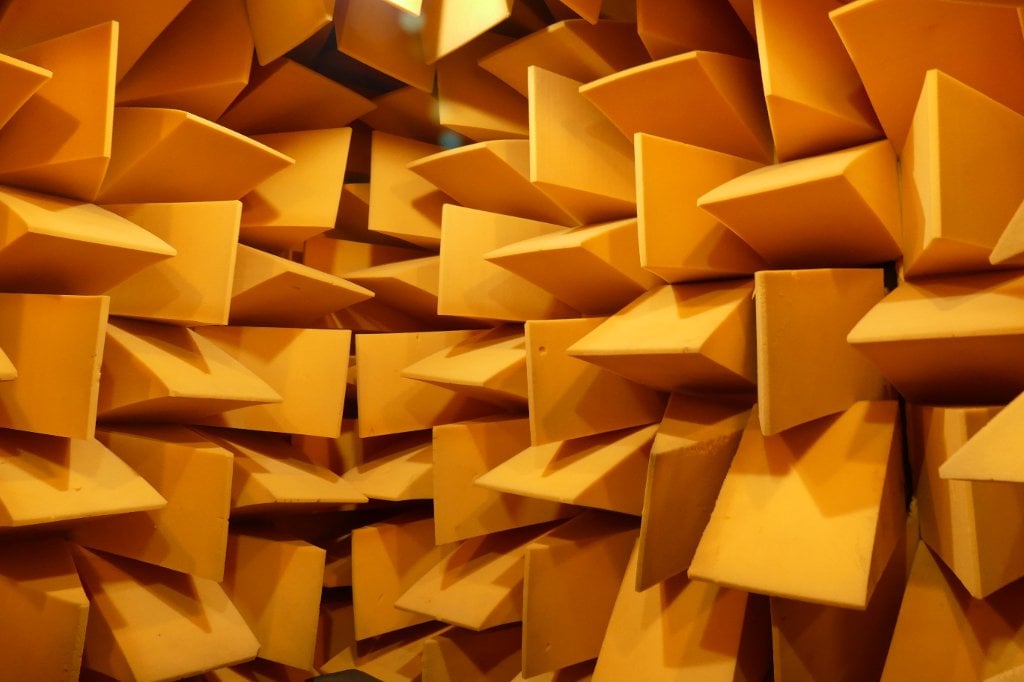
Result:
[[402, 204], [194, 476], [491, 176], [390, 403], [396, 656], [489, 366], [277, 28], [45, 608], [55, 245], [449, 25], [407, 285], [302, 200], [468, 236], [810, 514], [942, 633], [387, 559], [816, 642], [372, 32], [581, 562], [474, 103], [27, 22], [172, 155], [306, 367], [915, 331], [720, 93], [65, 364], [971, 525], [993, 452], [478, 583], [893, 43], [779, 210], [271, 475], [689, 458], [603, 471], [1009, 250], [399, 473], [696, 336], [568, 397], [458, 654], [158, 372], [21, 80], [275, 584], [288, 96], [678, 240], [462, 453], [574, 49], [199, 63], [149, 622], [577, 157], [268, 289], [594, 269], [950, 225], [339, 257], [59, 140], [668, 29], [194, 286], [803, 319], [799, 50], [47, 479], [682, 628]]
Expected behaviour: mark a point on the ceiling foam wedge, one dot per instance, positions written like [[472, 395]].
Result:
[[372, 32], [276, 28], [21, 80], [669, 29], [450, 24], [985, 456], [490, 656]]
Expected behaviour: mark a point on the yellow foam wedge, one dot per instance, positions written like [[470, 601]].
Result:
[[468, 236], [21, 81], [194, 476], [194, 286], [669, 29], [697, 336], [594, 269], [779, 210], [970, 525], [302, 200], [462, 453], [803, 319], [48, 364], [172, 155], [46, 479], [915, 330], [604, 471], [306, 367], [720, 93], [402, 204], [372, 32], [150, 623], [678, 240], [459, 654], [799, 50], [54, 245], [288, 96], [581, 562], [569, 397], [577, 157], [268, 289], [47, 611], [277, 28], [398, 473], [812, 513], [492, 176], [985, 456], [950, 225], [449, 25], [691, 452], [275, 584], [199, 63], [387, 559]]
